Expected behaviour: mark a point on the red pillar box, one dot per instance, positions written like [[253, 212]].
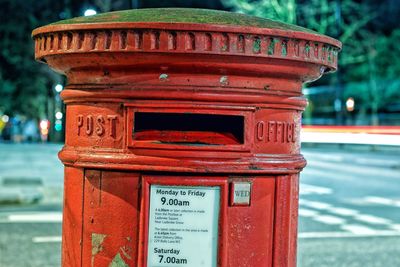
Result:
[[182, 135]]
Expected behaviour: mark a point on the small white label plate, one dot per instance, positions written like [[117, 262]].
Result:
[[183, 226], [241, 193]]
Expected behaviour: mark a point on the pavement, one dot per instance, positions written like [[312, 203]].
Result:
[[30, 173], [349, 212]]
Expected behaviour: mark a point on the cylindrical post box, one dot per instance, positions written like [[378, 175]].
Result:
[[182, 135]]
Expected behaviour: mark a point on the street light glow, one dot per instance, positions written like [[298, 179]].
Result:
[[44, 124], [350, 103], [5, 118], [58, 88], [90, 12], [59, 115]]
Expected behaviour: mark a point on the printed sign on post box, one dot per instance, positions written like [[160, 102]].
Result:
[[183, 226]]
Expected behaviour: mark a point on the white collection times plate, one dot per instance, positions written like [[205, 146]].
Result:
[[183, 226]]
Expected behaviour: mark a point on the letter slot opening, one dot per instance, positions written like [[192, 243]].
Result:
[[188, 128]]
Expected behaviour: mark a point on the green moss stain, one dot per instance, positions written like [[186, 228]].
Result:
[[316, 50], [257, 45], [307, 49], [184, 15], [284, 51], [241, 43], [271, 46], [118, 262], [334, 54], [323, 52], [329, 51]]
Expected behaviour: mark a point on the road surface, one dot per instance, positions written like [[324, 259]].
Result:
[[349, 207]]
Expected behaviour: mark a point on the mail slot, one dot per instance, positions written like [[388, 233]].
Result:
[[182, 135], [188, 129]]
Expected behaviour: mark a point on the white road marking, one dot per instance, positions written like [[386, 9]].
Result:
[[395, 227], [306, 235], [382, 201], [343, 211], [43, 217], [46, 239], [312, 209], [331, 168], [372, 219], [306, 189], [307, 213], [358, 229], [315, 204], [328, 219]]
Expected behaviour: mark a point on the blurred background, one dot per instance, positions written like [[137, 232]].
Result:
[[349, 193]]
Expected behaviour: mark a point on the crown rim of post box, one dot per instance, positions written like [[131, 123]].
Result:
[[278, 40]]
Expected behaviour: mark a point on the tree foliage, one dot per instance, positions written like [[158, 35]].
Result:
[[369, 57], [24, 83], [376, 83], [340, 19]]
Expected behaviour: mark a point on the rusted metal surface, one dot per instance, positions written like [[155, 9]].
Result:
[[185, 101]]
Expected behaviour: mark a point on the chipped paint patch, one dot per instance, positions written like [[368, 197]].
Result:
[[125, 251], [163, 77], [118, 262], [97, 241], [224, 80]]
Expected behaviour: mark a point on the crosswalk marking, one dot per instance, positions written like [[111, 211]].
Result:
[[42, 217], [315, 204], [358, 229], [46, 239], [306, 189], [328, 219], [343, 211], [372, 219], [382, 201], [307, 213], [330, 169], [395, 227], [330, 215]]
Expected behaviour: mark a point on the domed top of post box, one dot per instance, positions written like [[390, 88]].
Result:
[[183, 15], [184, 61], [206, 32]]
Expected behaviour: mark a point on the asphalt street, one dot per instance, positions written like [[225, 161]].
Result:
[[350, 208], [349, 211]]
